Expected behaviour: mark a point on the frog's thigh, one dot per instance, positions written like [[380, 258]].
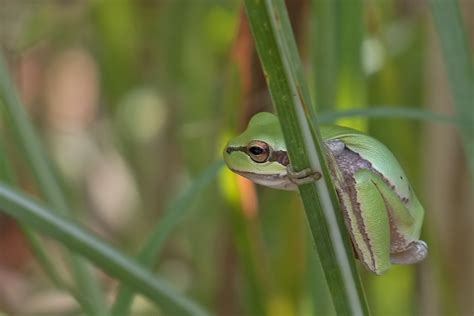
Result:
[[374, 217], [405, 246]]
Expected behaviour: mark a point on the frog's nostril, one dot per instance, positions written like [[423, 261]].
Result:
[[228, 150]]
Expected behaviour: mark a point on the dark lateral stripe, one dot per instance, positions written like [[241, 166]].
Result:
[[279, 156], [232, 149]]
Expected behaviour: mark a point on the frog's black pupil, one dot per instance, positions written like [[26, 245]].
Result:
[[256, 150]]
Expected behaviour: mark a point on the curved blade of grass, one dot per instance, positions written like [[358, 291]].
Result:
[[81, 241], [389, 112], [280, 60], [171, 216], [7, 175], [458, 60], [43, 259], [27, 139]]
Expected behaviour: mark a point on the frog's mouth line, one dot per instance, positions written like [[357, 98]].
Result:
[[257, 176]]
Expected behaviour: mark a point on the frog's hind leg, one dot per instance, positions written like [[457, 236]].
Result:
[[370, 227], [405, 231], [415, 252]]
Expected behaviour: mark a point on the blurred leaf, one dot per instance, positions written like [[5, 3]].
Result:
[[79, 240], [389, 112], [171, 217], [6, 173], [119, 44], [350, 84], [458, 60], [325, 53], [26, 138], [35, 243]]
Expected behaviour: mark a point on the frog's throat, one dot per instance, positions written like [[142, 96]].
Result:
[[273, 180]]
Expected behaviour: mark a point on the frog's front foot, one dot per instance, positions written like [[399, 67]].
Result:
[[415, 252], [302, 177]]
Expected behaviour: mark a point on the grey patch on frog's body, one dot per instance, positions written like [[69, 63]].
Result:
[[335, 146], [349, 162]]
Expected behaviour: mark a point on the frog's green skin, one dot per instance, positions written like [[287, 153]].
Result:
[[381, 211]]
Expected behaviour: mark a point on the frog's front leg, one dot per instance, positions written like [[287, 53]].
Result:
[[302, 177], [308, 175]]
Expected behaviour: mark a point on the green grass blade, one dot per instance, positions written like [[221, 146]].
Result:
[[279, 57], [41, 255], [325, 55], [351, 84], [458, 60], [81, 241], [27, 139], [35, 243], [171, 217], [6, 173], [7, 176], [389, 112]]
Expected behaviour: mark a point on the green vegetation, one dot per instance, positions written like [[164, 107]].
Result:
[[113, 118]]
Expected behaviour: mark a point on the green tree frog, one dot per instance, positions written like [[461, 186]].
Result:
[[381, 212]]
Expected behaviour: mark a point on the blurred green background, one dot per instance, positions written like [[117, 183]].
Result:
[[134, 99]]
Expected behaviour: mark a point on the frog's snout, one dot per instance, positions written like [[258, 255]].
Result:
[[230, 149]]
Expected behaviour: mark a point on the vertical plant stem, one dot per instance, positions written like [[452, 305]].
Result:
[[458, 61], [350, 83], [325, 53], [280, 59]]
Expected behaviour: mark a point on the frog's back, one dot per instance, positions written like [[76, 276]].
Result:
[[373, 151]]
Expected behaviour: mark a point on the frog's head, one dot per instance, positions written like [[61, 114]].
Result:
[[259, 153]]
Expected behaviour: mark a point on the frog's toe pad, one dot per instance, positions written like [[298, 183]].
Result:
[[415, 252]]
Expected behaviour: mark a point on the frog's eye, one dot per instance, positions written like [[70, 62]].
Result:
[[259, 151]]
